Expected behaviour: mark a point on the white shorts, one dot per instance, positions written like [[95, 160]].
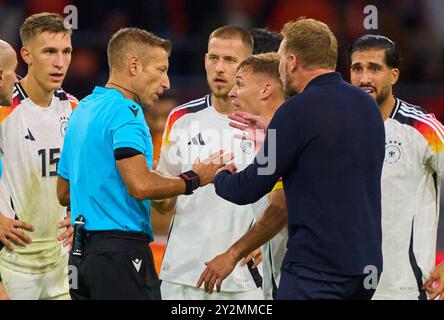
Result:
[[173, 291], [52, 285]]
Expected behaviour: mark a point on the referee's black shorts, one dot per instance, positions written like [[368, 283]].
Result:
[[114, 265]]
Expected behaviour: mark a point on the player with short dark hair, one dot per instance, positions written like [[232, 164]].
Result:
[[265, 40], [412, 171]]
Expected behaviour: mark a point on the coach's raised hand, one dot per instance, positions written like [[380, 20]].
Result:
[[254, 127], [208, 168]]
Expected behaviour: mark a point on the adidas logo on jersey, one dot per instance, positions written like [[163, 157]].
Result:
[[29, 136], [197, 140]]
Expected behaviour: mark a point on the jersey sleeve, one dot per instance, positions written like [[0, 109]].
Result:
[[72, 100], [129, 131], [169, 159], [433, 132], [62, 166]]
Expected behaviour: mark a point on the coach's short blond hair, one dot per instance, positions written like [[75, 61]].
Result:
[[233, 32], [312, 41], [133, 41], [42, 22]]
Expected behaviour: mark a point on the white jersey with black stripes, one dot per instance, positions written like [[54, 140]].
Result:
[[31, 140], [204, 225], [411, 182]]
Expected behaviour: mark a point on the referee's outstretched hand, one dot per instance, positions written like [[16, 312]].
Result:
[[207, 169], [10, 232]]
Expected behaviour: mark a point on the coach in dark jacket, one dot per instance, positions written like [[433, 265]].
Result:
[[327, 143]]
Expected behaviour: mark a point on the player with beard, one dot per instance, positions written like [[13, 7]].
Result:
[[204, 224], [411, 175]]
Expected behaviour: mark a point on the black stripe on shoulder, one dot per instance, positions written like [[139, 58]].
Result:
[[187, 108], [19, 92], [405, 112], [61, 94]]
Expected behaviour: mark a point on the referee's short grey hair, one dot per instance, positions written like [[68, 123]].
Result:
[[133, 40]]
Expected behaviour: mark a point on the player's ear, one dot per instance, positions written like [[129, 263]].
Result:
[[205, 60], [293, 62], [26, 55], [133, 65], [267, 90], [394, 74]]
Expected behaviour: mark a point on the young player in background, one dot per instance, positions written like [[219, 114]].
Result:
[[31, 131]]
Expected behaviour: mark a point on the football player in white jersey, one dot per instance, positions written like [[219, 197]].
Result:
[[411, 177], [8, 64], [9, 228], [204, 224], [31, 139], [258, 91]]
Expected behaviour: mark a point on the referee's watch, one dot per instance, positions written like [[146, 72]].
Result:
[[192, 181]]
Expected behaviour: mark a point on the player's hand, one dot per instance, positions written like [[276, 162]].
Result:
[[256, 256], [254, 127], [10, 232], [216, 271], [206, 169], [436, 275], [3, 294], [68, 235]]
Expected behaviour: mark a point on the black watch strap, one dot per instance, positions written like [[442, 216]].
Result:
[[192, 181]]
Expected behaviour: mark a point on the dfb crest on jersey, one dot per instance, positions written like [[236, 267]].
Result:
[[63, 123], [393, 151], [247, 146]]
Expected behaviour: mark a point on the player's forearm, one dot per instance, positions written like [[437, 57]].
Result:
[[156, 186], [273, 220], [63, 192]]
